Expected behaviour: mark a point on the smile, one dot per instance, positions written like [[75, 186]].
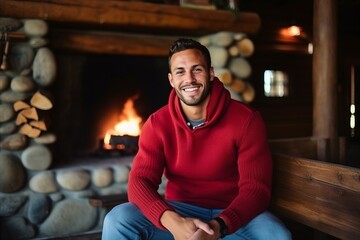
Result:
[[191, 89]]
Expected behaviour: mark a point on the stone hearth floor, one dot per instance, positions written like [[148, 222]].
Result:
[[91, 235]]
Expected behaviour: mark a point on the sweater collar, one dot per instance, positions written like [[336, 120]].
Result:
[[219, 101]]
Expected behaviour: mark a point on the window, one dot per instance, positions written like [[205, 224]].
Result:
[[275, 83]]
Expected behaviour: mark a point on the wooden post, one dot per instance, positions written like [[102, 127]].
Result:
[[325, 124]]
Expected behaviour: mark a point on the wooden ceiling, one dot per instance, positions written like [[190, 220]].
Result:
[[107, 26], [123, 27], [133, 16], [279, 13]]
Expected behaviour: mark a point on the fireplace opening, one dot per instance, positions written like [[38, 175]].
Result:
[[122, 137], [97, 88], [108, 83]]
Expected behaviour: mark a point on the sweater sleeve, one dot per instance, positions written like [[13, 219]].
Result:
[[255, 175], [145, 176]]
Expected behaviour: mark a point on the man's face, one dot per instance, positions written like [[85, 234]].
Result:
[[189, 76]]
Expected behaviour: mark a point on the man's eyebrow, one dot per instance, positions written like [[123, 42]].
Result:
[[179, 68], [192, 67], [198, 65]]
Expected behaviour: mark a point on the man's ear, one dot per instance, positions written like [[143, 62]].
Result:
[[170, 79], [212, 73]]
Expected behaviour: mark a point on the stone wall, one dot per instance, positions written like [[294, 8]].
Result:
[[35, 200], [229, 55], [55, 202]]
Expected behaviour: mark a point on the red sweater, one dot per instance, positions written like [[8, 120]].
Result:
[[226, 163]]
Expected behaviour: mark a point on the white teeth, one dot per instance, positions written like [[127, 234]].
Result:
[[190, 89]]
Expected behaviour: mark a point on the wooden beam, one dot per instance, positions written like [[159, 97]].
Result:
[[325, 75], [307, 147], [111, 43], [132, 16]]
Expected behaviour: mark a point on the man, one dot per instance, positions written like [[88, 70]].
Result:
[[213, 151]]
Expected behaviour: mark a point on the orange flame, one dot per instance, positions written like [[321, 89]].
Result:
[[129, 124]]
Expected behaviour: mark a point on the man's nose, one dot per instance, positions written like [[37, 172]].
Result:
[[191, 76]]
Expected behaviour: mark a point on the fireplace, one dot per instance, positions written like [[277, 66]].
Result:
[[92, 92], [45, 186]]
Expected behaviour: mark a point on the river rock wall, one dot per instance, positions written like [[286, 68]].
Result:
[[35, 199]]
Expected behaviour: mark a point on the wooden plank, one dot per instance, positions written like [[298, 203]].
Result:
[[138, 16], [108, 201], [330, 173], [322, 195], [307, 147], [114, 43]]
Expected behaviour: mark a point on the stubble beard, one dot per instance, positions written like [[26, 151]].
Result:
[[194, 100]]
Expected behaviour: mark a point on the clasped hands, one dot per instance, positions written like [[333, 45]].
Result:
[[190, 228]]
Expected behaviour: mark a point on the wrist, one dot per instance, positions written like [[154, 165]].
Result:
[[222, 227], [169, 218]]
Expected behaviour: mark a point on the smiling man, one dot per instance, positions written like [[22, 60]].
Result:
[[213, 151]]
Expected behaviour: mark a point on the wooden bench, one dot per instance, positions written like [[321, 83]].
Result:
[[108, 201], [324, 196]]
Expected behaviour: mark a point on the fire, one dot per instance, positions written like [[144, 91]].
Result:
[[129, 124]]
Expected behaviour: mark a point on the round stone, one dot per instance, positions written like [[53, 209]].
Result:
[[73, 179], [222, 39], [219, 56], [7, 112], [38, 42], [240, 67], [69, 216], [10, 24], [21, 56], [246, 47], [7, 128], [22, 84], [43, 182], [37, 157], [4, 82], [121, 173], [102, 177], [12, 173], [44, 67], [35, 27]]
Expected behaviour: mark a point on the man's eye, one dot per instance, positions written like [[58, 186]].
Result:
[[197, 70], [179, 72]]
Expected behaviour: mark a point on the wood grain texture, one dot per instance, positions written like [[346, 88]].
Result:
[[116, 15], [322, 195]]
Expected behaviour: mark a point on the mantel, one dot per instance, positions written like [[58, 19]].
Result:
[[73, 17]]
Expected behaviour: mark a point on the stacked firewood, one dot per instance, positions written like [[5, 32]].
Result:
[[30, 115]]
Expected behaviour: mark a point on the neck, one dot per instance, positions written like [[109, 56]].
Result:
[[197, 112], [194, 113]]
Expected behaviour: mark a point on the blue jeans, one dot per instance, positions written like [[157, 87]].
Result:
[[126, 221]]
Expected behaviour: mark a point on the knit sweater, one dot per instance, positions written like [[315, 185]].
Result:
[[223, 164]]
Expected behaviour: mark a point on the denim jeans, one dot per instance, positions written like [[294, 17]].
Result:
[[126, 221]]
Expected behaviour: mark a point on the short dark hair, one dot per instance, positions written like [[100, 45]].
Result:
[[182, 44]]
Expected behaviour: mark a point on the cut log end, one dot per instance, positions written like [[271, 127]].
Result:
[[41, 101], [30, 131]]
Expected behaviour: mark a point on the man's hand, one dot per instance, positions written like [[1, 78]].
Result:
[[189, 228], [183, 228], [201, 234]]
